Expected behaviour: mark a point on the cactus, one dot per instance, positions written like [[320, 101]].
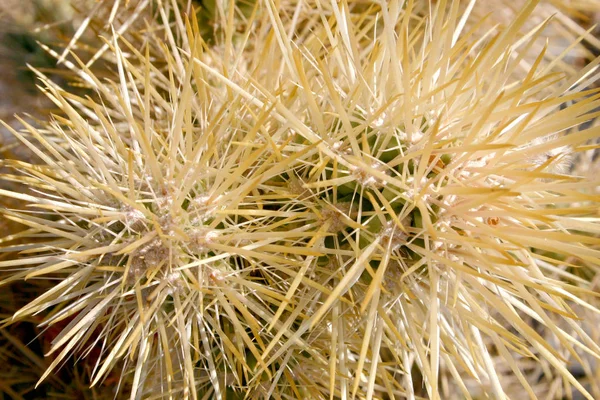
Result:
[[338, 201]]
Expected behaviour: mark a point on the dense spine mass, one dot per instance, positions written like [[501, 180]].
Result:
[[317, 201]]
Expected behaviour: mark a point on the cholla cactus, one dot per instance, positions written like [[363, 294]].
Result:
[[335, 201]]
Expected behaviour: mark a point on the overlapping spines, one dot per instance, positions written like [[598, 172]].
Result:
[[366, 204]]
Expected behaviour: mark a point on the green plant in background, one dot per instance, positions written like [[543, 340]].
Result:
[[26, 24], [332, 201]]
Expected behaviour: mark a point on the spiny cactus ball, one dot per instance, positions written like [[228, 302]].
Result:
[[329, 201]]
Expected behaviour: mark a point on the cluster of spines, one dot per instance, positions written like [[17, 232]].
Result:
[[213, 250]]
